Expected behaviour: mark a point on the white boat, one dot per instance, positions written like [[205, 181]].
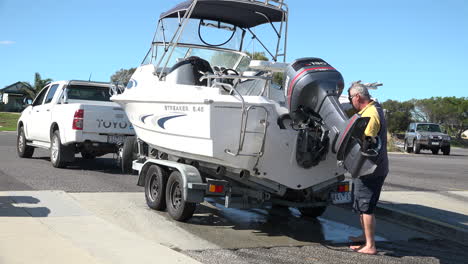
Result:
[[200, 99]]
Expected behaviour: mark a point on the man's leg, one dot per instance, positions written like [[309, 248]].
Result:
[[361, 238], [369, 232]]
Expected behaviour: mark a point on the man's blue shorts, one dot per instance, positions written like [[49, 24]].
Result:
[[366, 193]]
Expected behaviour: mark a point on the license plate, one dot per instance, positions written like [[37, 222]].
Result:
[[340, 197], [115, 139], [435, 143]]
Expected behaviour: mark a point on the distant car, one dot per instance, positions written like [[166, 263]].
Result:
[[426, 136]]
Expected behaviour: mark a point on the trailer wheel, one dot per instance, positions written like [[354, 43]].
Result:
[[313, 211], [128, 154], [24, 151], [59, 154], [177, 207], [155, 188]]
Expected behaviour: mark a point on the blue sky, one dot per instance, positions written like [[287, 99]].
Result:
[[417, 48]]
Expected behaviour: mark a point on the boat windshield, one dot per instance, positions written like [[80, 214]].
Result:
[[219, 43], [216, 57]]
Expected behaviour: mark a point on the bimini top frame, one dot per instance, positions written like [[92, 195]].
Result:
[[241, 13], [244, 14]]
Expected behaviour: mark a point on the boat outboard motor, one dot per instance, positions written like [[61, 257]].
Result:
[[313, 89]]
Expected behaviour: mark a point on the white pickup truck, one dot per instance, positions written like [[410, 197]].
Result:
[[69, 117]]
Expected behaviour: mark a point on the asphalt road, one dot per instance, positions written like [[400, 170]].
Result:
[[219, 235], [428, 172]]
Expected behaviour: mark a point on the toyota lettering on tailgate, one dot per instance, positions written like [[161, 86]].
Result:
[[112, 124]]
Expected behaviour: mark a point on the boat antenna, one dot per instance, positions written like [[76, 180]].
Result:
[[91, 74]]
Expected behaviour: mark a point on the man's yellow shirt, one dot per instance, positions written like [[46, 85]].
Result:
[[373, 127]]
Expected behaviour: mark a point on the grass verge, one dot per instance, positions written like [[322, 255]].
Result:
[[8, 121]]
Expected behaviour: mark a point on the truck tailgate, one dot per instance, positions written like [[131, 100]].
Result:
[[108, 119]]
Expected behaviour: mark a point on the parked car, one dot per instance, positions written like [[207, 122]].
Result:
[[69, 117], [426, 136]]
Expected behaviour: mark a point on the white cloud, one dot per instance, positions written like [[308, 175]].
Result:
[[6, 42]]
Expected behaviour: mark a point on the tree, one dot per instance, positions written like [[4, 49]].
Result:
[[451, 112], [278, 77], [122, 76], [398, 115], [39, 84]]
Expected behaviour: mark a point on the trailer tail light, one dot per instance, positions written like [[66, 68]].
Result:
[[78, 120], [343, 187], [216, 188]]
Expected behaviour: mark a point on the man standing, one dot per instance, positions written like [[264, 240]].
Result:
[[366, 189]]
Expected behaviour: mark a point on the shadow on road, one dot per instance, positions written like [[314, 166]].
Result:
[[105, 165], [18, 206]]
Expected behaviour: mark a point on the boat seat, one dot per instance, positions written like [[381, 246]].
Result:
[[189, 71]]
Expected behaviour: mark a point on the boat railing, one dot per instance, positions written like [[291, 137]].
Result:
[[276, 3]]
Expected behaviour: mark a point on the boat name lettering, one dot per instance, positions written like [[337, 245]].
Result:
[[111, 124], [184, 108]]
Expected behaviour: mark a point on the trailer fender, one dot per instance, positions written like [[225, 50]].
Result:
[[194, 188]]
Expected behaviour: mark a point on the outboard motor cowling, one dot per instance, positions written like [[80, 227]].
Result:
[[313, 88]]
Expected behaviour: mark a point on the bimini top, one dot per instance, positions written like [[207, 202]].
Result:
[[241, 13]]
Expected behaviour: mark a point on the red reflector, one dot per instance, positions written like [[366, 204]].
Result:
[[219, 188]]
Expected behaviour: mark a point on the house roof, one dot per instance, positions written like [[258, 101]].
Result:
[[15, 88]]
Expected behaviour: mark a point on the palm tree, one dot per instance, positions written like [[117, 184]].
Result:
[[39, 83]]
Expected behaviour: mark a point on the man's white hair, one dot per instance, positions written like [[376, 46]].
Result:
[[360, 89]]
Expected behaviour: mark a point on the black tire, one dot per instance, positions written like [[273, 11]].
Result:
[[435, 151], [155, 188], [417, 147], [312, 211], [60, 155], [407, 148], [446, 151], [129, 153], [23, 150], [87, 155], [177, 207]]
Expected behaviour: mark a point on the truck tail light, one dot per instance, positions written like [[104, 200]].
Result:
[[78, 120]]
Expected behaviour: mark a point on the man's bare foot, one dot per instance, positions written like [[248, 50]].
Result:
[[357, 239], [367, 250], [356, 247]]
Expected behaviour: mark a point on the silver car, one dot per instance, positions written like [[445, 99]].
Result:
[[426, 136]]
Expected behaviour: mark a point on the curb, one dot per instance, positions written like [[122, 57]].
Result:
[[423, 224]]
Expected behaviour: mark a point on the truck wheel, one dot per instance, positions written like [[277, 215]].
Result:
[[23, 150], [177, 208], [435, 151], [407, 148], [59, 154], [312, 211], [417, 147], [129, 153], [87, 155], [155, 188], [446, 151]]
